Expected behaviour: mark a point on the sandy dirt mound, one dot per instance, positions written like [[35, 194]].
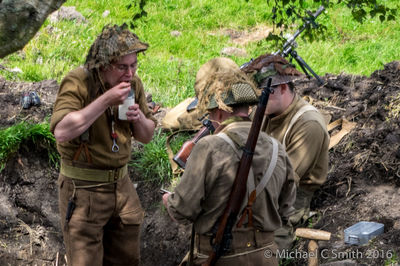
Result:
[[363, 182]]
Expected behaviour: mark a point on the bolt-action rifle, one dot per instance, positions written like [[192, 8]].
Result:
[[290, 45], [222, 239]]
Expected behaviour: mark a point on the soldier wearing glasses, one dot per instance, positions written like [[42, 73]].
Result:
[[99, 206]]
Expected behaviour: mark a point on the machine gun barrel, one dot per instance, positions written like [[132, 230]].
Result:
[[289, 43]]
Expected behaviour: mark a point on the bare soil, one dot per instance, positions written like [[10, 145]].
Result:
[[363, 181]]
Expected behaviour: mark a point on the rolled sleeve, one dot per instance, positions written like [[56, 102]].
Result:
[[185, 204], [71, 97]]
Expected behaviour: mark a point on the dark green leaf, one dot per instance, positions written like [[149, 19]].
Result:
[[289, 12], [274, 13], [272, 37]]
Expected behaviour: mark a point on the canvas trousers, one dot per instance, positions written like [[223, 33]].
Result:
[[284, 236], [104, 228]]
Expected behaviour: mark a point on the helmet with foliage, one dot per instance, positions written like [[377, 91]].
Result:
[[113, 43], [220, 83], [274, 66]]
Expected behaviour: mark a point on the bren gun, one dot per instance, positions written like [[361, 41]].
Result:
[[290, 45]]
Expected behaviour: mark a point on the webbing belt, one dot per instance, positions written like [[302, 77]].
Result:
[[96, 175], [299, 113]]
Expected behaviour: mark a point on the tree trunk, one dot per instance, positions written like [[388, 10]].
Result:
[[20, 20]]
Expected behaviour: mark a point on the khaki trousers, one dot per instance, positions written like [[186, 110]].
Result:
[[105, 224], [284, 236]]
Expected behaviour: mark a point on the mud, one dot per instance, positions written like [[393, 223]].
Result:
[[363, 181]]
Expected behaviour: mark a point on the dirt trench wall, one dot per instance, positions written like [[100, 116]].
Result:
[[363, 181]]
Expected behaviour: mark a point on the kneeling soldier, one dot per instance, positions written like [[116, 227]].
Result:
[[204, 189]]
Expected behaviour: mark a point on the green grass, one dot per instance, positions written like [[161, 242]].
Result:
[[11, 139], [392, 258], [152, 159], [352, 47], [169, 67]]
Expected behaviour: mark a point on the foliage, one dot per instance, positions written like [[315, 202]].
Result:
[[140, 12], [288, 12], [152, 160], [393, 258], [11, 139]]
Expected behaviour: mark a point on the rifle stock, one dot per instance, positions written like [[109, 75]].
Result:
[[223, 237], [183, 154]]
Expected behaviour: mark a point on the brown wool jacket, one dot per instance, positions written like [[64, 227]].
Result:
[[73, 96], [204, 188], [306, 143]]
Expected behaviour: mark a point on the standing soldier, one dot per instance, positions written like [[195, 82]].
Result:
[[99, 207], [300, 128], [204, 189]]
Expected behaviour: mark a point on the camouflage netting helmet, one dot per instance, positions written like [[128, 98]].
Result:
[[274, 66], [220, 83], [212, 66], [113, 43]]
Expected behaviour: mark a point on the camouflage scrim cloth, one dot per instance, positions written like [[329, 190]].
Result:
[[113, 43]]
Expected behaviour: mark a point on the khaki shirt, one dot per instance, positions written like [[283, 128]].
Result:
[[72, 96], [306, 144], [203, 191]]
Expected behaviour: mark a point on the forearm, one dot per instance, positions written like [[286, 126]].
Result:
[[75, 123], [165, 203], [178, 210], [143, 130]]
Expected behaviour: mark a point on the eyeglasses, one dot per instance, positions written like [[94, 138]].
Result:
[[123, 68], [273, 88]]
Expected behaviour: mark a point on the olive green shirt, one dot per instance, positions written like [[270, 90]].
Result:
[[306, 143], [204, 189], [73, 96]]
